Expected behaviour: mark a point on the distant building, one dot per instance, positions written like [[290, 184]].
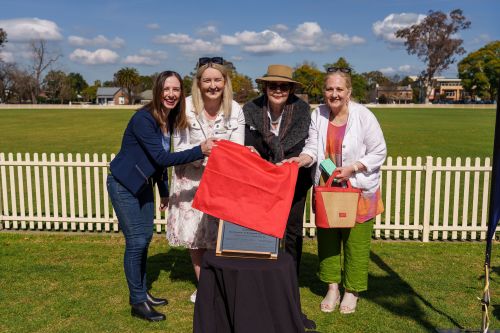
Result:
[[446, 89], [145, 97], [391, 94], [111, 96]]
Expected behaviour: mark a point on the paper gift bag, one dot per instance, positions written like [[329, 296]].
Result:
[[239, 186], [336, 207]]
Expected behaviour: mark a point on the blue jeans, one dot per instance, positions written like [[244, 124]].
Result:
[[135, 217]]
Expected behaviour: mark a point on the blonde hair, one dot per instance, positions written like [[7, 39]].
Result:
[[227, 94], [346, 76]]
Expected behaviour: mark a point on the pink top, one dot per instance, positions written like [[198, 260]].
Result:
[[369, 205]]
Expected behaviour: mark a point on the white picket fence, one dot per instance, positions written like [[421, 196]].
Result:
[[425, 199]]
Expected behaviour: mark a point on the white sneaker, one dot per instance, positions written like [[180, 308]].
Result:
[[192, 298]]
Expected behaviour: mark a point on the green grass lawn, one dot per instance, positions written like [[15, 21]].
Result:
[[75, 283], [408, 132]]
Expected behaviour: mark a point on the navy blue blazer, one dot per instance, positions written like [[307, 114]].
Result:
[[143, 159]]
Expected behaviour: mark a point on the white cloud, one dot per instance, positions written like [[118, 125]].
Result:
[[7, 56], [173, 39], [25, 29], [307, 33], [236, 58], [17, 51], [97, 57], [387, 70], [279, 27], [405, 68], [340, 41], [209, 30], [266, 41], [386, 29], [482, 38], [199, 46], [153, 26], [146, 57], [99, 40]]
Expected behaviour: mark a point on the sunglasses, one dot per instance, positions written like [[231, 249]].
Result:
[[281, 86], [345, 70], [207, 60]]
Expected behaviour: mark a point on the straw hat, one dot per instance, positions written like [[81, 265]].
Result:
[[278, 73]]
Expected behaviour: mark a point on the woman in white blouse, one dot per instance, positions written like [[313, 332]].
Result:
[[211, 112]]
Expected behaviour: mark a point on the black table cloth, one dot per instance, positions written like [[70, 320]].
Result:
[[247, 295]]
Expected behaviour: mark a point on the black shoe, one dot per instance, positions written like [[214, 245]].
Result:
[[154, 301], [147, 312]]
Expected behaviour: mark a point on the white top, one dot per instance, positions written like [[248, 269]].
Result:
[[363, 142], [274, 130], [187, 226], [200, 129]]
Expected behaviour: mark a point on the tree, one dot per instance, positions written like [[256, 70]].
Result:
[[3, 37], [187, 82], [89, 94], [6, 81], [435, 42], [480, 71], [128, 78], [375, 77], [57, 86], [243, 89], [359, 85], [146, 82], [15, 84], [78, 85], [42, 57], [311, 80]]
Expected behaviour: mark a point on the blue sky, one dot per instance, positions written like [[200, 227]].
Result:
[[97, 38]]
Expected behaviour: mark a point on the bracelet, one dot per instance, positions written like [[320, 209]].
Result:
[[355, 167]]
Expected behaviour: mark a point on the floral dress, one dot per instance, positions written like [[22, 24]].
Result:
[[186, 226]]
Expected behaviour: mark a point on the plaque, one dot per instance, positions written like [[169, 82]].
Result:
[[236, 241]]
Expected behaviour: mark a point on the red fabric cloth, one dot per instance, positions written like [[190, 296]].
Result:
[[240, 187]]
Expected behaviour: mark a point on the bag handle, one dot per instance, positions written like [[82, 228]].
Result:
[[332, 178]]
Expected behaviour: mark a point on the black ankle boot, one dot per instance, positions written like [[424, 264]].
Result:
[[155, 301], [147, 312]]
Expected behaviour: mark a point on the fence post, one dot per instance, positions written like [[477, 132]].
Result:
[[429, 168]]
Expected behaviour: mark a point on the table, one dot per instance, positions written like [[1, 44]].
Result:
[[247, 295]]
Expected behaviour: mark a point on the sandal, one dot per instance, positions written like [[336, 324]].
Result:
[[192, 298], [331, 300], [349, 302]]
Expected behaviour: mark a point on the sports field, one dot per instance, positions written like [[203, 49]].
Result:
[[408, 131]]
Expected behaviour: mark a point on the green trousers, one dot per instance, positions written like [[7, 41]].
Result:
[[347, 251]]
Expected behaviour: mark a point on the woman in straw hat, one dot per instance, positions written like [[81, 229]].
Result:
[[276, 127]]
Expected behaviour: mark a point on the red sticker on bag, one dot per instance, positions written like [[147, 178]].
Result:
[[342, 214]]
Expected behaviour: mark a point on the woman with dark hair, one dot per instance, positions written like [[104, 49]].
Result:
[[142, 162], [276, 126], [211, 112]]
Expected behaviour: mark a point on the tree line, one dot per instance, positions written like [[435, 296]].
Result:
[[434, 41]]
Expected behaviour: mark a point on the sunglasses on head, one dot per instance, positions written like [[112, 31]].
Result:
[[345, 70], [281, 86], [207, 60]]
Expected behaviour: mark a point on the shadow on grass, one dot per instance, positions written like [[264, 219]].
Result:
[[308, 276], [383, 290], [176, 262]]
